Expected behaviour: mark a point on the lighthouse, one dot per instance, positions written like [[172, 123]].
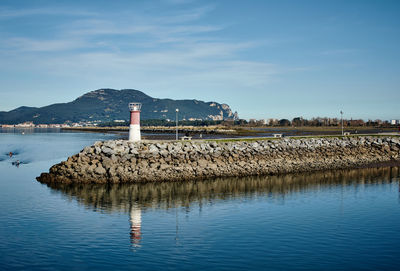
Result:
[[134, 126]]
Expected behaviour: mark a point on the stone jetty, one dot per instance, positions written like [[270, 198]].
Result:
[[119, 161]]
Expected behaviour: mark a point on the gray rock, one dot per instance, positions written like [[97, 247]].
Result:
[[153, 149], [107, 150], [100, 170]]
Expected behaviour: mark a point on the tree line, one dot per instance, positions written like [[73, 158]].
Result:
[[319, 121], [295, 122]]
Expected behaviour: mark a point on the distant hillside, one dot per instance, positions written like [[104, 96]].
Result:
[[110, 104]]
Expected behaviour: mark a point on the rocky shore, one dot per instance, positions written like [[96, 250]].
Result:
[[119, 161]]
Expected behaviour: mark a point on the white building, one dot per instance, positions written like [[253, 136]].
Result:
[[263, 121], [28, 124]]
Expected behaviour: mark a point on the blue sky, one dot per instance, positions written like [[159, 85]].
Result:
[[266, 59]]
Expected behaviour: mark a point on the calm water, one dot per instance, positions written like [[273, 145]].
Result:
[[332, 220]]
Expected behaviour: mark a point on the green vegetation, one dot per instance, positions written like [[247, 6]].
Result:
[[165, 123], [244, 139], [253, 139]]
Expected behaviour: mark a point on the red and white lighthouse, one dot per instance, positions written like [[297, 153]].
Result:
[[134, 126]]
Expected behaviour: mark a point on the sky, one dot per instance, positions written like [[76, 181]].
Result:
[[266, 59]]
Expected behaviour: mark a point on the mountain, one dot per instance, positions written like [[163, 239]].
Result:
[[110, 104]]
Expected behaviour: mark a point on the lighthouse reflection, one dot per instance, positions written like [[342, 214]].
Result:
[[135, 199], [135, 218]]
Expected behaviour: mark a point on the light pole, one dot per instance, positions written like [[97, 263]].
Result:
[[177, 110], [341, 116]]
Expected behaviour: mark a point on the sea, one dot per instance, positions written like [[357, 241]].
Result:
[[331, 220]]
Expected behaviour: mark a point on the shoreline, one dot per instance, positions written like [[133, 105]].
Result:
[[158, 129], [240, 131], [118, 161]]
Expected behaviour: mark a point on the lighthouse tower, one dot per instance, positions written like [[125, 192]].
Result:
[[134, 127]]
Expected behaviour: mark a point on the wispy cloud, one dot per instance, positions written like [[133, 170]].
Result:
[[335, 52], [185, 15], [178, 2], [32, 45], [7, 13], [199, 49], [173, 53], [95, 27]]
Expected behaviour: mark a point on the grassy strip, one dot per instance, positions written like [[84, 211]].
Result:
[[252, 139], [293, 137], [317, 128]]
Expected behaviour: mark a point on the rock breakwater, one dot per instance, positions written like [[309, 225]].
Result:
[[118, 161]]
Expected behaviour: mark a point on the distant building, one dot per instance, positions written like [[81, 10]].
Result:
[[263, 121], [215, 117], [273, 121], [236, 116], [395, 122], [28, 124]]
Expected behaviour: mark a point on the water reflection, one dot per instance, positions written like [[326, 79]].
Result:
[[135, 218], [135, 198]]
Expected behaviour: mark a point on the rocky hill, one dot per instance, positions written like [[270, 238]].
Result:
[[110, 104]]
